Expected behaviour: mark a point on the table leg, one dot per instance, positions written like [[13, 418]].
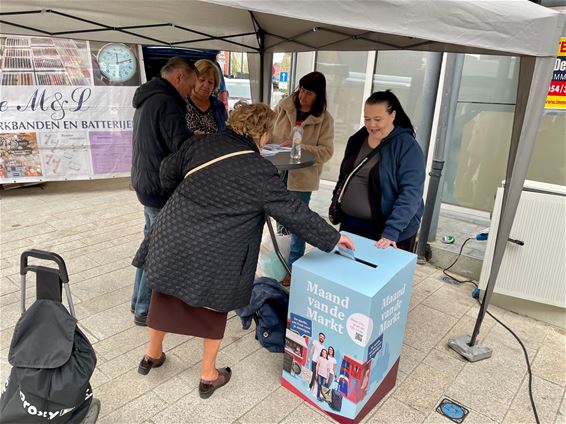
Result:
[[275, 245]]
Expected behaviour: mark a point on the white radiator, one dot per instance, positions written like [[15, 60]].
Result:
[[537, 270]]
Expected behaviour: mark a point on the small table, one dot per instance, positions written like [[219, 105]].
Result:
[[284, 163]]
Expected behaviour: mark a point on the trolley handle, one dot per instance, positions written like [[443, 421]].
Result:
[[42, 254]]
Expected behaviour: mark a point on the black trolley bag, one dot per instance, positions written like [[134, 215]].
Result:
[[52, 360]]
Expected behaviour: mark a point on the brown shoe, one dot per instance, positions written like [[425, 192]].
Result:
[[286, 281], [207, 388], [148, 363]]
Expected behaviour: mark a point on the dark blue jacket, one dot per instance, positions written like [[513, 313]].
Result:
[[219, 113], [401, 178], [159, 130], [268, 308]]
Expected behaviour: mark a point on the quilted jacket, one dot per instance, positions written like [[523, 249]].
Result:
[[204, 245]]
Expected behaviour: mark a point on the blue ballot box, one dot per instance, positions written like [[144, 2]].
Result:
[[345, 327]]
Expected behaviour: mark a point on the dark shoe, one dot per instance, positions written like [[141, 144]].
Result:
[[207, 388], [148, 363], [132, 310], [140, 320]]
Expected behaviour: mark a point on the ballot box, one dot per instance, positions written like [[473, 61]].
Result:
[[345, 327]]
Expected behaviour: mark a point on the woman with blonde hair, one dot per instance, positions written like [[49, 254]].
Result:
[[201, 255], [206, 114]]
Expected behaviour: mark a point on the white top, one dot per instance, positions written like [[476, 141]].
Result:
[[331, 364], [318, 346], [323, 367]]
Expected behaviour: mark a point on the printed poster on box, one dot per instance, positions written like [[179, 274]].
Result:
[[346, 325], [65, 108]]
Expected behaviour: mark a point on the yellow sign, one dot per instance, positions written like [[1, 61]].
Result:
[[556, 98]]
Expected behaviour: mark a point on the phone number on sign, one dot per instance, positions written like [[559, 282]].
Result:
[[557, 88]]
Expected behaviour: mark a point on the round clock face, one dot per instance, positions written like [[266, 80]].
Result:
[[117, 62]]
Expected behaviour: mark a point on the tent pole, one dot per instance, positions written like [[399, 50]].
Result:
[[450, 92]]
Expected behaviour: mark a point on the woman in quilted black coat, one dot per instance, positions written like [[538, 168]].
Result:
[[201, 255]]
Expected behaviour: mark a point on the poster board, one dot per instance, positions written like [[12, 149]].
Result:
[[65, 108]]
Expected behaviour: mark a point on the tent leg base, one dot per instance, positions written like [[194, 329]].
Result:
[[471, 353]]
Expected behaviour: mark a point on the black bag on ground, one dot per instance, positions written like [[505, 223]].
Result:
[[52, 364], [336, 402]]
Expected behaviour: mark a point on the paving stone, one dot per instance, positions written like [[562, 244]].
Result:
[[306, 414], [275, 407], [426, 327], [137, 411], [110, 322], [551, 365], [486, 387], [555, 339], [122, 342], [547, 397], [395, 411], [422, 396], [410, 358], [443, 300], [123, 389]]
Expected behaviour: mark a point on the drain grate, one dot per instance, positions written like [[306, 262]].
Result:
[[452, 410]]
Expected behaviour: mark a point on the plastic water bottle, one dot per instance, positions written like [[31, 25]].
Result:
[[297, 137]]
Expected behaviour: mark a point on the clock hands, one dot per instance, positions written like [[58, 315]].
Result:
[[122, 61]]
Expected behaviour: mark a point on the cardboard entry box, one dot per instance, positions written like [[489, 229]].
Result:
[[356, 309]]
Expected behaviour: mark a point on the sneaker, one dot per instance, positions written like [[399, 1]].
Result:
[[140, 320], [207, 388], [148, 363]]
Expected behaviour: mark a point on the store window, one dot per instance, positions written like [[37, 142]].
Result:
[[281, 77], [403, 72], [345, 78], [479, 144], [548, 163]]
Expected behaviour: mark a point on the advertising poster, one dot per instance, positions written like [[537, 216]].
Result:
[[65, 108], [556, 98]]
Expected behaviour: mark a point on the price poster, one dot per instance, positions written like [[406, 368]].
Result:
[[556, 98]]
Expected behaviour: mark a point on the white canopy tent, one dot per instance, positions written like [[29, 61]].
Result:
[[501, 27]]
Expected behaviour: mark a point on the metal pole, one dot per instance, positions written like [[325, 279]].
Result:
[[428, 99], [450, 91]]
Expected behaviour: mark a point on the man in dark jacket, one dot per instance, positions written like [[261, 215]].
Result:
[[159, 130]]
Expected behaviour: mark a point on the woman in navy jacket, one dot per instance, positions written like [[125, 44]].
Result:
[[382, 200]]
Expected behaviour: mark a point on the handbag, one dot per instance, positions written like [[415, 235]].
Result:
[[335, 213], [218, 159]]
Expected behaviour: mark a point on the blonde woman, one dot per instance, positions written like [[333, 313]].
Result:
[[202, 253], [205, 113]]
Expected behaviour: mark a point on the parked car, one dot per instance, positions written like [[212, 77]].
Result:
[[155, 57], [238, 89]]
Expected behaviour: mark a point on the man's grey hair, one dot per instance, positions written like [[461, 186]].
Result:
[[176, 63]]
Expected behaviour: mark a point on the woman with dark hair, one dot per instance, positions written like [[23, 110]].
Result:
[[321, 373], [307, 106], [380, 187]]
